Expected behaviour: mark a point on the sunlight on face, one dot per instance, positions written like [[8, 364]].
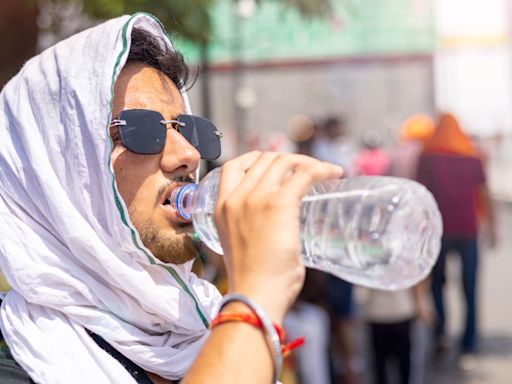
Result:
[[145, 181]]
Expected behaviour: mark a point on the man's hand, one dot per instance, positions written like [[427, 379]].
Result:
[[257, 218]]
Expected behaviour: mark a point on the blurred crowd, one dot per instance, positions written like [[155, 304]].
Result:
[[360, 335]]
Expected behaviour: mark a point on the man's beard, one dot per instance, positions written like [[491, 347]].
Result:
[[176, 247]]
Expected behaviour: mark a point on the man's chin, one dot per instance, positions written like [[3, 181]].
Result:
[[184, 228], [173, 246]]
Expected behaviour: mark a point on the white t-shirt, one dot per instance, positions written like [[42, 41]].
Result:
[[387, 306]]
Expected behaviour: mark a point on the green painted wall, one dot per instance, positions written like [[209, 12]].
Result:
[[356, 27]]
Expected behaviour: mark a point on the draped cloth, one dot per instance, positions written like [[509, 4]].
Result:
[[69, 250]]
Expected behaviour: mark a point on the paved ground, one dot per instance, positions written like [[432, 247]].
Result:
[[493, 364]]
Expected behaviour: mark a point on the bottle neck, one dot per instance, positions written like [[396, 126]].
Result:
[[181, 200]]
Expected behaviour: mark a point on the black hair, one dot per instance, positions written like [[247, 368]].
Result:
[[153, 51], [333, 122]]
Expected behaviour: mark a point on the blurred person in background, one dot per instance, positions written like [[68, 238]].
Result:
[[309, 318], [404, 157], [347, 364], [390, 314], [372, 159], [333, 144], [302, 131], [98, 260], [452, 170]]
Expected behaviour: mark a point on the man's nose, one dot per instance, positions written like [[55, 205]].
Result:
[[178, 154]]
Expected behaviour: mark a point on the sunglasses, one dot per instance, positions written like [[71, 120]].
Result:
[[144, 132]]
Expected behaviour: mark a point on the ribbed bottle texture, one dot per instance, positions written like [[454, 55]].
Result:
[[377, 231]]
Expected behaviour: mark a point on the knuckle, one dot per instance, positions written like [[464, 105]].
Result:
[[229, 164], [251, 156], [255, 204], [254, 153], [307, 173], [218, 212], [230, 206], [252, 203], [271, 205], [282, 158], [269, 155], [225, 210]]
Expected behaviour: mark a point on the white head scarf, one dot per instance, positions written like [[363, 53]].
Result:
[[68, 248]]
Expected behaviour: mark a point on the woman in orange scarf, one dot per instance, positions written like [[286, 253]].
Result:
[[451, 168], [448, 138]]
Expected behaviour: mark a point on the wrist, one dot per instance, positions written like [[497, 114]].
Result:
[[274, 296], [275, 309], [263, 321]]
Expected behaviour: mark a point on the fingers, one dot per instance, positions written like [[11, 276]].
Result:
[[259, 195], [304, 177], [267, 172], [258, 174], [295, 174], [254, 173], [232, 173]]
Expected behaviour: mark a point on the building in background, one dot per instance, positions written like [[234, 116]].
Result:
[[373, 62], [370, 61], [473, 78], [473, 66]]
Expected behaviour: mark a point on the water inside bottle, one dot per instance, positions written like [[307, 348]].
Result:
[[204, 225], [380, 232], [348, 234], [377, 237]]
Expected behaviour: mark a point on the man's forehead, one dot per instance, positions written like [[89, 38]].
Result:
[[140, 86]]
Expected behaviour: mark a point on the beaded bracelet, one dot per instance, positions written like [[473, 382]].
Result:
[[273, 336]]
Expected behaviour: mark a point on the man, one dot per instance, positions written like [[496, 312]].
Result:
[[98, 261]]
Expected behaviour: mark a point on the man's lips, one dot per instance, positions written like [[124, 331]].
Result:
[[168, 206], [172, 214]]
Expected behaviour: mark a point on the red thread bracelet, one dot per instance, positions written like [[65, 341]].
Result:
[[254, 320]]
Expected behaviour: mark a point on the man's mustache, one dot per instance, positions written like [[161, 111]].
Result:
[[173, 180]]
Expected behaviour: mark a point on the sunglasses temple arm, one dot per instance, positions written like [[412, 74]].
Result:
[[117, 122]]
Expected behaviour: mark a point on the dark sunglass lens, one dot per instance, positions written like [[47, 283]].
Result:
[[143, 133], [202, 134], [210, 143]]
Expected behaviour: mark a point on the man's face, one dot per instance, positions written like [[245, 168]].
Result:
[[145, 181]]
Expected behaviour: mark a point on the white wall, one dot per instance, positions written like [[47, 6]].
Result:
[[473, 65], [377, 95]]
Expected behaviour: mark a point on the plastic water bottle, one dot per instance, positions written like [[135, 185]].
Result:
[[377, 231]]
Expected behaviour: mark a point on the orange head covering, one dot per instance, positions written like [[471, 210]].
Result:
[[417, 127], [449, 138]]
